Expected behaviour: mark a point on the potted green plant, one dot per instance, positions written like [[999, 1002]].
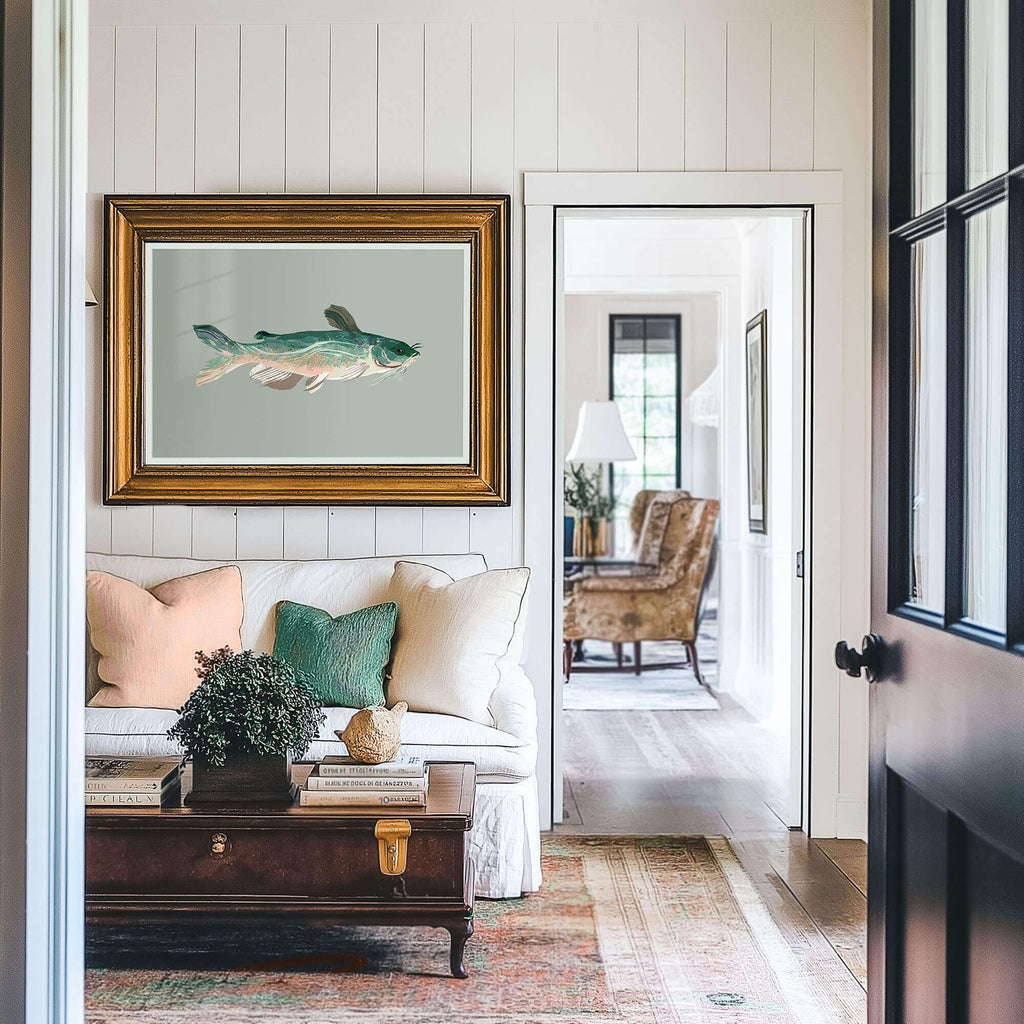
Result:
[[250, 714], [585, 494]]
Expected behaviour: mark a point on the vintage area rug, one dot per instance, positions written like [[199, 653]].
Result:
[[656, 929]]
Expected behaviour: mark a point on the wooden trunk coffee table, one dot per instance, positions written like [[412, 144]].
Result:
[[354, 865]]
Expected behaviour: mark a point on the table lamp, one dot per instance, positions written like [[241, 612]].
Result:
[[600, 435]]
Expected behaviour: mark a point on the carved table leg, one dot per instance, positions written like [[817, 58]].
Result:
[[460, 934]]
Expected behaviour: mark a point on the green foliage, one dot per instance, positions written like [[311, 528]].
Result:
[[247, 704], [585, 495]]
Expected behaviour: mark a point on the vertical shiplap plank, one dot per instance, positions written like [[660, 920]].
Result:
[[213, 533], [175, 108], [99, 529], [536, 97], [597, 94], [748, 92], [399, 531], [792, 127], [101, 108], [493, 162], [259, 533], [307, 108], [353, 114], [305, 533], [662, 51], [100, 180], [536, 149], [131, 530], [134, 171], [135, 108], [446, 107], [351, 533], [261, 109], [216, 108], [445, 530], [172, 531], [493, 107], [400, 108], [491, 536], [840, 113], [704, 100]]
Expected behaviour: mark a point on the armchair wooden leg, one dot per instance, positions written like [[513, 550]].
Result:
[[618, 654], [567, 652], [691, 650], [637, 667]]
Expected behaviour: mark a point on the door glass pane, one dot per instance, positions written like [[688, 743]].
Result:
[[928, 423], [929, 104], [985, 454], [988, 76]]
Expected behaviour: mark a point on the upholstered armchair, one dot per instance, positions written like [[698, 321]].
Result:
[[662, 602]]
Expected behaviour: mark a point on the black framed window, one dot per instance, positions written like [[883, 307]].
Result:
[[644, 381], [956, 317]]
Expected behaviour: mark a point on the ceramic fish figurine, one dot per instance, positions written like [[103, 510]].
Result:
[[374, 735], [282, 360]]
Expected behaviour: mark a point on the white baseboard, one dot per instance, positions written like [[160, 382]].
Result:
[[851, 818]]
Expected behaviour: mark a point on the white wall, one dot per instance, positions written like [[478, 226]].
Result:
[[439, 95], [585, 374], [759, 605]]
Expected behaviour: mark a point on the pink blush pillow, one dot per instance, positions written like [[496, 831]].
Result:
[[147, 639]]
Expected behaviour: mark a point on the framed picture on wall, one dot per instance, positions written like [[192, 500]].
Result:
[[757, 422], [307, 350]]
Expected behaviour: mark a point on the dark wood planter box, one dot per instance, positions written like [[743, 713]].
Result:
[[249, 780]]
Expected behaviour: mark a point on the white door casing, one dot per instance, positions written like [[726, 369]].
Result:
[[42, 495], [829, 491]]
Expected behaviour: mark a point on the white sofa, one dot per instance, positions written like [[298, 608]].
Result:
[[505, 840]]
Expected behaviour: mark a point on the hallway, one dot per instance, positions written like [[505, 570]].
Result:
[[707, 772]]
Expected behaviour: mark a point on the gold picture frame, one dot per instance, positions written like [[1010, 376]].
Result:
[[756, 358], [477, 225]]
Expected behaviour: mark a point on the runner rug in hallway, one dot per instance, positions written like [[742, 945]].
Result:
[[655, 929]]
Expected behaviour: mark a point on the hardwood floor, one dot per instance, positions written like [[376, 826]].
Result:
[[718, 773]]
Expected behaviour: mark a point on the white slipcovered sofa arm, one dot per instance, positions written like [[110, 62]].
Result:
[[514, 708]]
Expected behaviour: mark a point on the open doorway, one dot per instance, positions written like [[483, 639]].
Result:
[[683, 334]]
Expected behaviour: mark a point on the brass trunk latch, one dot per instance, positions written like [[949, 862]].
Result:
[[393, 837]]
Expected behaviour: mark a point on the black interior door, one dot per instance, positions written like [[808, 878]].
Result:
[[946, 833]]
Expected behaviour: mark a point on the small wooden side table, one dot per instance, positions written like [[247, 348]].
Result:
[[353, 865]]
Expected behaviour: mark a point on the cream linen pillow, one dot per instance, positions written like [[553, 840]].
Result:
[[452, 637], [147, 639]]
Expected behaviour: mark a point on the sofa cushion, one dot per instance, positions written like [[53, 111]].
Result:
[[343, 658], [452, 637], [335, 584], [498, 756], [147, 639]]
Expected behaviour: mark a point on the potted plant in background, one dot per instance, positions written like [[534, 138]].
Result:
[[250, 714], [585, 494]]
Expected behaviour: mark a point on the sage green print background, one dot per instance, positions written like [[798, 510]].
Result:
[[415, 295]]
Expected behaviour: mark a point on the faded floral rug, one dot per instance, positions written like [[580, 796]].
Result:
[[626, 929]]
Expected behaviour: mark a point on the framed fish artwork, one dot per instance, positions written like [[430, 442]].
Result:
[[306, 350]]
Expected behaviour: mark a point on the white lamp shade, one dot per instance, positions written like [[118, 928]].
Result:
[[600, 435]]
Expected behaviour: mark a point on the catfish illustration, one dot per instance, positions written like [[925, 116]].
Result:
[[280, 361]]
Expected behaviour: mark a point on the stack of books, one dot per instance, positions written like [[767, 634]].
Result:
[[342, 782], [131, 781]]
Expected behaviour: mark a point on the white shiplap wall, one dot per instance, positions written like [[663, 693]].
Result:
[[220, 96]]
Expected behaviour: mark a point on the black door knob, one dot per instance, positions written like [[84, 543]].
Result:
[[871, 659]]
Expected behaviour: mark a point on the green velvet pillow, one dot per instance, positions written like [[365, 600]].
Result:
[[343, 658]]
